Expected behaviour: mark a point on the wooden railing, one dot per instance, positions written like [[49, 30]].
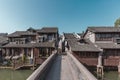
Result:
[[19, 63]]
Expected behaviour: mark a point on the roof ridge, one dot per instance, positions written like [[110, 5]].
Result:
[[49, 27], [101, 27]]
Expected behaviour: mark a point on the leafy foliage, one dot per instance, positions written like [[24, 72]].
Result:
[[117, 23]]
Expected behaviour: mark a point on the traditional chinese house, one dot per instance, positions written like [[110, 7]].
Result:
[[83, 49], [32, 46], [107, 39], [99, 47], [3, 41]]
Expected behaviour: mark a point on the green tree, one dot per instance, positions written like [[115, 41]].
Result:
[[117, 23]]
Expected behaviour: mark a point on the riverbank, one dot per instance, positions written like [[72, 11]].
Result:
[[5, 67]]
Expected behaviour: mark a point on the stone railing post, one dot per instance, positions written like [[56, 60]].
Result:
[[119, 66], [99, 66]]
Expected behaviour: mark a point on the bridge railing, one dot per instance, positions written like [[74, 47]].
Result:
[[81, 69], [41, 71]]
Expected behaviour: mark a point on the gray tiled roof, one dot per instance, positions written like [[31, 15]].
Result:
[[83, 47], [10, 45], [45, 44], [81, 34], [69, 36], [77, 46], [104, 29], [111, 45], [3, 34], [3, 40], [19, 33], [48, 30], [29, 45]]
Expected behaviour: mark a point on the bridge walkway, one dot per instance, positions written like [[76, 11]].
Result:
[[61, 69]]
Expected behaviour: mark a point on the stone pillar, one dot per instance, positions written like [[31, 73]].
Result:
[[66, 47], [99, 66], [119, 66], [100, 59], [31, 56], [32, 53], [119, 69], [60, 46]]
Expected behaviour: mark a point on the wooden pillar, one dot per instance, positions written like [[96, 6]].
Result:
[[46, 53], [36, 54], [50, 51], [79, 54], [40, 52], [34, 58], [13, 60], [22, 51], [27, 52], [99, 66], [7, 52], [12, 51], [23, 55]]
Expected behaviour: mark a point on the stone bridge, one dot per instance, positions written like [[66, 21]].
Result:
[[61, 67]]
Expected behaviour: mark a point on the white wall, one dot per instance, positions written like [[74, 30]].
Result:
[[91, 36]]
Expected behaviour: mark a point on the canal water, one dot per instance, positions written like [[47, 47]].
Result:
[[7, 74], [111, 75]]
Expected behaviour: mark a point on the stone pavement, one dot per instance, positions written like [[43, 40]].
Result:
[[61, 69]]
